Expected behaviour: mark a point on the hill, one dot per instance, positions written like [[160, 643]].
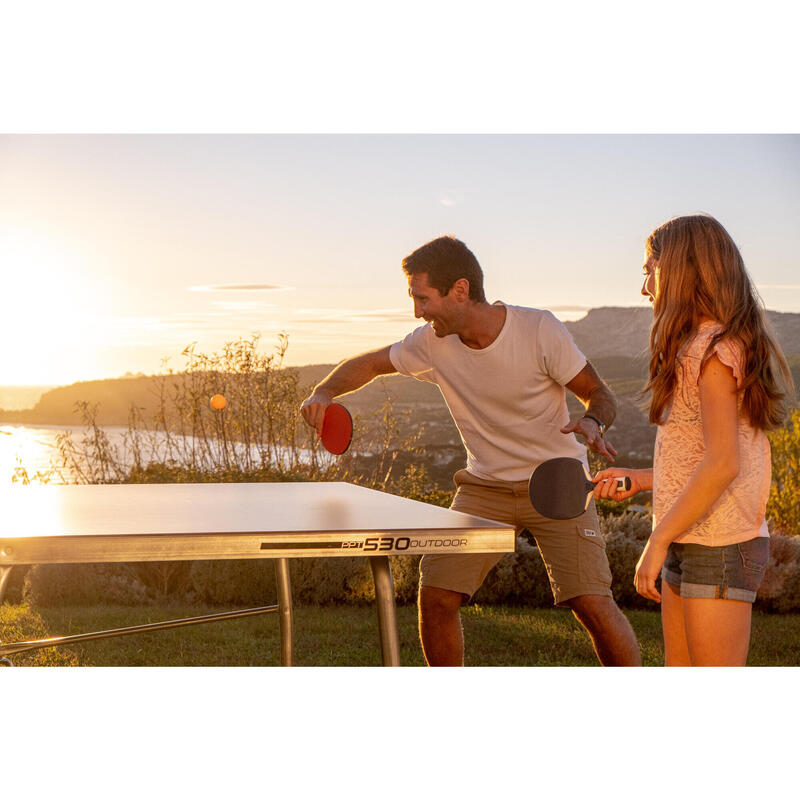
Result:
[[611, 331], [16, 398], [614, 339]]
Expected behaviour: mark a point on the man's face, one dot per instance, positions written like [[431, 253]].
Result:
[[431, 306]]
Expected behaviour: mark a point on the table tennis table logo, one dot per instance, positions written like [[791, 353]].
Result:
[[383, 544], [372, 544]]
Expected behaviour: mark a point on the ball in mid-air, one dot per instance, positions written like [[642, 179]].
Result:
[[218, 402]]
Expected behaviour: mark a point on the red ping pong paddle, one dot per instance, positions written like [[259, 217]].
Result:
[[337, 429], [561, 488]]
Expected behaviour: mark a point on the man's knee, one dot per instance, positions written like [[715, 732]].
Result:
[[595, 610], [434, 601], [612, 635]]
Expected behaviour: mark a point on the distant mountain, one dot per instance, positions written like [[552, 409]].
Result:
[[115, 396], [15, 398], [614, 339], [613, 331]]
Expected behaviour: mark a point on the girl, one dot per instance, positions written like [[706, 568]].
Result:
[[718, 381]]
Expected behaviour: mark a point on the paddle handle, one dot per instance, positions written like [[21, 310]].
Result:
[[623, 484]]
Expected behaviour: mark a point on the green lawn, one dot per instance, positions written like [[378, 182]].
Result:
[[348, 636]]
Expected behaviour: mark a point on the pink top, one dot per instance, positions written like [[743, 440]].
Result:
[[738, 515]]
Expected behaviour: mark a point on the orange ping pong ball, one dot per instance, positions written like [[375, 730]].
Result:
[[218, 402]]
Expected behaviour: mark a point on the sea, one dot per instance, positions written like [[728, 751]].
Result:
[[30, 454]]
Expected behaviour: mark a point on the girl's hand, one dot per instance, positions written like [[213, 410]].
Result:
[[606, 487], [649, 568]]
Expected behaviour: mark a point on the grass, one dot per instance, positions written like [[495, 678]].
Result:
[[348, 636]]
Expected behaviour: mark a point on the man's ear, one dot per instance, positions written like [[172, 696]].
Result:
[[460, 289]]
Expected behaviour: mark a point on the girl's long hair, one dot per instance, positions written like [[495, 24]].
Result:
[[700, 273]]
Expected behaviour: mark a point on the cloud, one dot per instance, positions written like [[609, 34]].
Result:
[[222, 322], [450, 198], [241, 287], [228, 320], [242, 305], [318, 315]]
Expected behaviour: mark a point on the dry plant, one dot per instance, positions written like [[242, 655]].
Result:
[[259, 436]]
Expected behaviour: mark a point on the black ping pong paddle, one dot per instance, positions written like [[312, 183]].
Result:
[[337, 429], [560, 488]]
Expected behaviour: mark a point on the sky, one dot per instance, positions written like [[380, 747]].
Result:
[[103, 238], [117, 251]]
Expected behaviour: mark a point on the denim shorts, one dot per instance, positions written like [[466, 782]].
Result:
[[731, 572]]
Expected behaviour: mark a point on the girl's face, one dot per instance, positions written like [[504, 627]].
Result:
[[650, 285]]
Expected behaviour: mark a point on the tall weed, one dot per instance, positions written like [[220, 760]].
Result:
[[258, 436]]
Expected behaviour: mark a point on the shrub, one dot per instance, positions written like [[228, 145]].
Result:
[[780, 589], [783, 507], [242, 582], [626, 535], [405, 574], [314, 581], [84, 585]]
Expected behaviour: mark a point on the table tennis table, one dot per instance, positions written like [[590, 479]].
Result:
[[79, 524]]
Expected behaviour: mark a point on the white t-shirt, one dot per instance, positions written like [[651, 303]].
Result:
[[508, 399]]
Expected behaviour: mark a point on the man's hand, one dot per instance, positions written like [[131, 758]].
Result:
[[313, 408], [598, 401], [349, 375], [590, 431]]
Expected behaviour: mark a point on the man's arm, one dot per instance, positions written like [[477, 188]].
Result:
[[599, 402], [349, 375]]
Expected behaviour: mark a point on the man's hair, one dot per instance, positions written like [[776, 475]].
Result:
[[444, 261]]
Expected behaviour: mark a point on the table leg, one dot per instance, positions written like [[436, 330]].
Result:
[[387, 619], [284, 584], [5, 574]]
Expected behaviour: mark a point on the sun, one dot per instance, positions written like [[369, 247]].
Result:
[[49, 305]]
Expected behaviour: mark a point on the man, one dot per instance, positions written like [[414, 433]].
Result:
[[502, 370]]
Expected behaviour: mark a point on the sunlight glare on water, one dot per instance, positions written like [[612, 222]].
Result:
[[31, 453], [28, 451]]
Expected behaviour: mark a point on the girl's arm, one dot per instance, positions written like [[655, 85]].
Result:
[[720, 465]]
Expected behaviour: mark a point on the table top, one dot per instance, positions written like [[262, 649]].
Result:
[[152, 522]]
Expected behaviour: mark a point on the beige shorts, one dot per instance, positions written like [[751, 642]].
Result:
[[573, 550]]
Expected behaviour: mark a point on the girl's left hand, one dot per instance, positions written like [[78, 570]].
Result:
[[649, 568]]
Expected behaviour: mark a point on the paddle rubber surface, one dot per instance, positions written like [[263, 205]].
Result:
[[560, 488], [337, 429]]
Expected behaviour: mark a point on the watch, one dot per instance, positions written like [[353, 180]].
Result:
[[600, 424]]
